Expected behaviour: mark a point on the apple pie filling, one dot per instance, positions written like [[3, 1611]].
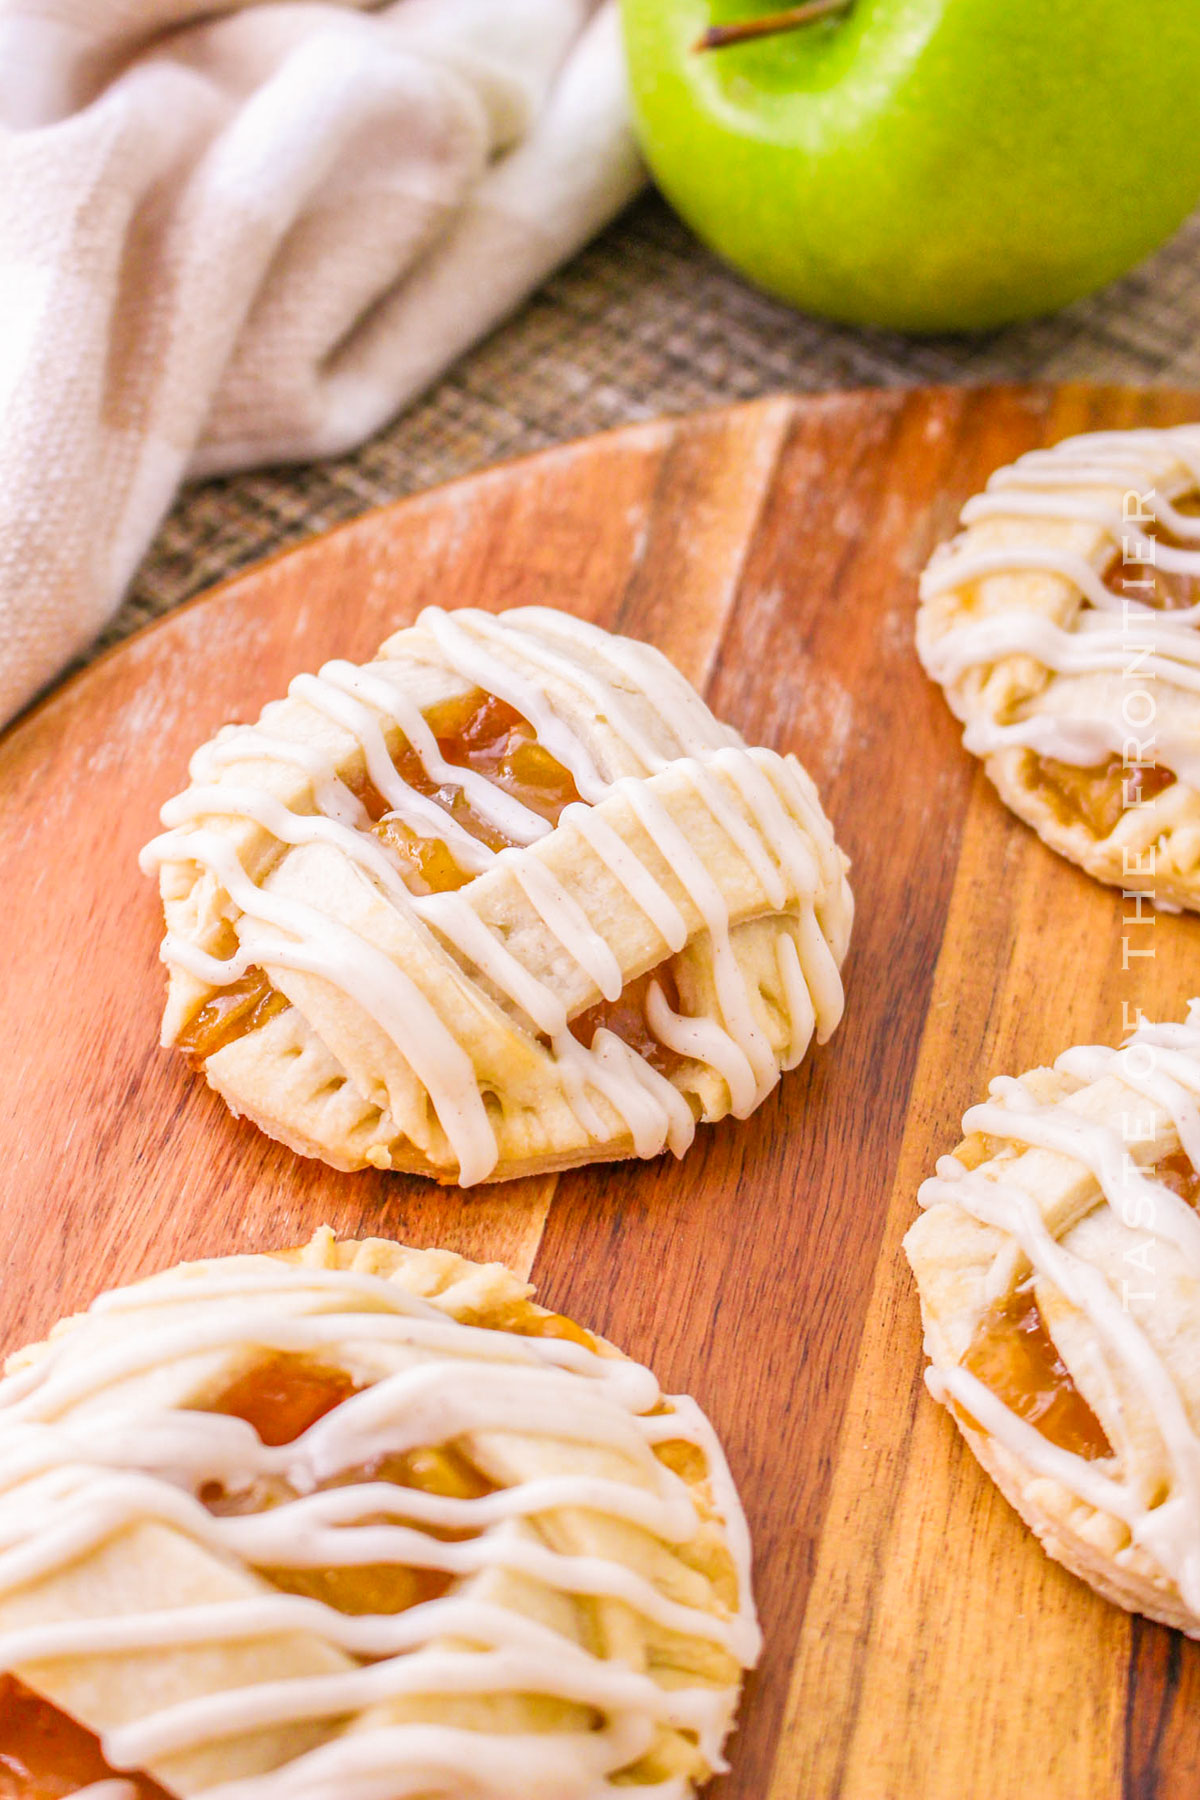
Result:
[[1013, 1354], [229, 1013], [626, 1018], [484, 734], [1177, 1173], [1098, 797], [1015, 1357], [44, 1755]]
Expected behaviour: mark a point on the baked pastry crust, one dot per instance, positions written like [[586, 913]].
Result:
[[1075, 1191], [594, 1614], [1044, 623], [441, 1032]]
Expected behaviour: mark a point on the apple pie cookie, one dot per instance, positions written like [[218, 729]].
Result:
[[358, 1522], [507, 899], [1062, 625], [1058, 1263]]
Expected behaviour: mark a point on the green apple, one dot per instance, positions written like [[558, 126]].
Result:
[[930, 165]]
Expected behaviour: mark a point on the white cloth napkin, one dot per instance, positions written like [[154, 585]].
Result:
[[233, 233]]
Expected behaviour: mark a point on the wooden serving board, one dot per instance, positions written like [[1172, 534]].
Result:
[[919, 1646]]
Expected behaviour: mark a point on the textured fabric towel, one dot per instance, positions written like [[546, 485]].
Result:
[[240, 233]]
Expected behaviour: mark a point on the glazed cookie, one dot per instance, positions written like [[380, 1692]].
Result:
[[507, 899], [358, 1521], [1058, 1263], [1062, 625]]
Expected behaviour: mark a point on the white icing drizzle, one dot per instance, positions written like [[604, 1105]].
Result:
[[645, 669], [821, 974], [1092, 647], [453, 917], [800, 1001], [461, 639], [417, 810], [946, 573], [1113, 632], [749, 841], [228, 800], [1106, 459], [707, 1042], [81, 1458], [433, 1758], [1100, 1149], [1162, 1064], [320, 945], [797, 858], [601, 694], [656, 1112], [502, 810], [732, 998], [1174, 1070], [567, 921], [631, 872], [758, 802], [240, 743]]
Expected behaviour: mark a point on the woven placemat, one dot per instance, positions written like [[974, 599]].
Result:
[[644, 322]]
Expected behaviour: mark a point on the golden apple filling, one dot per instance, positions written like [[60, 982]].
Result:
[[44, 1755], [1098, 797], [1177, 1173], [1014, 1355], [229, 1013], [626, 1018], [488, 736]]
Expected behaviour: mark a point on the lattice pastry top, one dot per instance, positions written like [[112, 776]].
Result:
[[508, 898], [359, 1523], [1058, 1262], [1062, 625]]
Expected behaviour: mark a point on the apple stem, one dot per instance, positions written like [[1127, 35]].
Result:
[[717, 37]]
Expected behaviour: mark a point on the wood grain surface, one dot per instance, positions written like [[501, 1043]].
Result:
[[919, 1646]]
